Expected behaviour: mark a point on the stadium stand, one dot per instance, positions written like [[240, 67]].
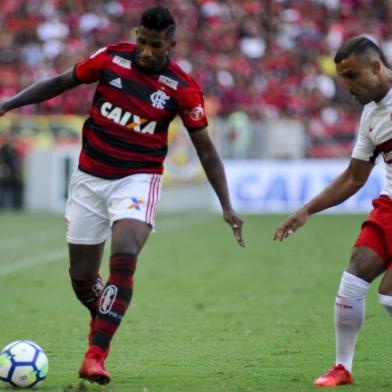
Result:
[[265, 59]]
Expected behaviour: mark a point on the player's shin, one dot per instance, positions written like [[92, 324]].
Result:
[[115, 299], [349, 317], [87, 292]]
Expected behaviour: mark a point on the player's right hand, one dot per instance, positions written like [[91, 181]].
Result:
[[291, 224]]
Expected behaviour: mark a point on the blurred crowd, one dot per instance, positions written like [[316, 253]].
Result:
[[263, 58]]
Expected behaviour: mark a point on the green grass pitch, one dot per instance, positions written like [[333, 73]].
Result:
[[206, 316]]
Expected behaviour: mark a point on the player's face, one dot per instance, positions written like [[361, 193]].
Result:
[[362, 78], [152, 49]]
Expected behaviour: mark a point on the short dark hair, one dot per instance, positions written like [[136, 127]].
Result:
[[160, 19], [359, 46]]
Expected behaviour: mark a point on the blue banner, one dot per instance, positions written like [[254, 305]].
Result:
[[258, 186]]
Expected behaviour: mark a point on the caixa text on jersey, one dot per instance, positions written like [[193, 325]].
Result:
[[127, 119]]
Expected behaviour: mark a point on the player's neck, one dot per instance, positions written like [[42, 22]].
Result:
[[158, 69]]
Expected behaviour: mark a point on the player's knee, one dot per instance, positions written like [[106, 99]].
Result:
[[81, 274], [129, 236], [386, 302], [125, 246], [352, 286], [365, 264]]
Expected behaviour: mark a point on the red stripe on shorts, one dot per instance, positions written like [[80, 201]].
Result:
[[152, 195]]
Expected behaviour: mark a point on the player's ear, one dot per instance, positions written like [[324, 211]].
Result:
[[375, 66]]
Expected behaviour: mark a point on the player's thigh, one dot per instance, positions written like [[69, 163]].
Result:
[[365, 263], [85, 227], [86, 216], [129, 236], [135, 197], [86, 236], [132, 205]]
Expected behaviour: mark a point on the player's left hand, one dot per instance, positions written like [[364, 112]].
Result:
[[291, 224], [236, 224]]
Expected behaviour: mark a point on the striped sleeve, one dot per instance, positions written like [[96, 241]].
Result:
[[192, 111], [89, 70]]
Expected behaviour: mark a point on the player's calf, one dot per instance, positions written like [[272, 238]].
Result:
[[87, 291]]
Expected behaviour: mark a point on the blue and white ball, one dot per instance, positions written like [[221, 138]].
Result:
[[23, 364]]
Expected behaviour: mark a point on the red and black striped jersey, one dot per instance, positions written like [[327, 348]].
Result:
[[126, 131]]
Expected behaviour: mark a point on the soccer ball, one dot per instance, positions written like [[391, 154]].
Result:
[[23, 364]]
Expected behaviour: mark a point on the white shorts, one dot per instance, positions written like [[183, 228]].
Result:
[[94, 204]]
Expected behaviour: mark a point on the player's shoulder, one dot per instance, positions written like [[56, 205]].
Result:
[[367, 110], [185, 80], [111, 50], [121, 47]]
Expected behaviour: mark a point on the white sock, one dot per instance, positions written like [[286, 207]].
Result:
[[386, 301], [349, 316]]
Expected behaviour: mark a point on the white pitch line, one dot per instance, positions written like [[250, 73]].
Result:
[[29, 262], [20, 240], [56, 255]]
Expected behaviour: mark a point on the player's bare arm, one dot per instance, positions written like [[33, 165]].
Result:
[[345, 185], [40, 91], [214, 170]]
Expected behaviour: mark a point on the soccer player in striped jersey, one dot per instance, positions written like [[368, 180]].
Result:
[[363, 67], [118, 182]]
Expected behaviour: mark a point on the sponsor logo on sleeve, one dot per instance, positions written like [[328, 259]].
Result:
[[122, 62], [168, 82], [196, 114]]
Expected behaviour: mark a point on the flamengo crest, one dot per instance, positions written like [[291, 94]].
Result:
[[159, 99]]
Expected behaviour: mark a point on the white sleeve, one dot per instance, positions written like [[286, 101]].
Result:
[[364, 148]]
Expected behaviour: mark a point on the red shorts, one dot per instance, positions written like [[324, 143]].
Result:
[[376, 232]]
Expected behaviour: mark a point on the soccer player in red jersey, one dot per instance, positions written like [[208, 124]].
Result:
[[118, 182], [363, 67]]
